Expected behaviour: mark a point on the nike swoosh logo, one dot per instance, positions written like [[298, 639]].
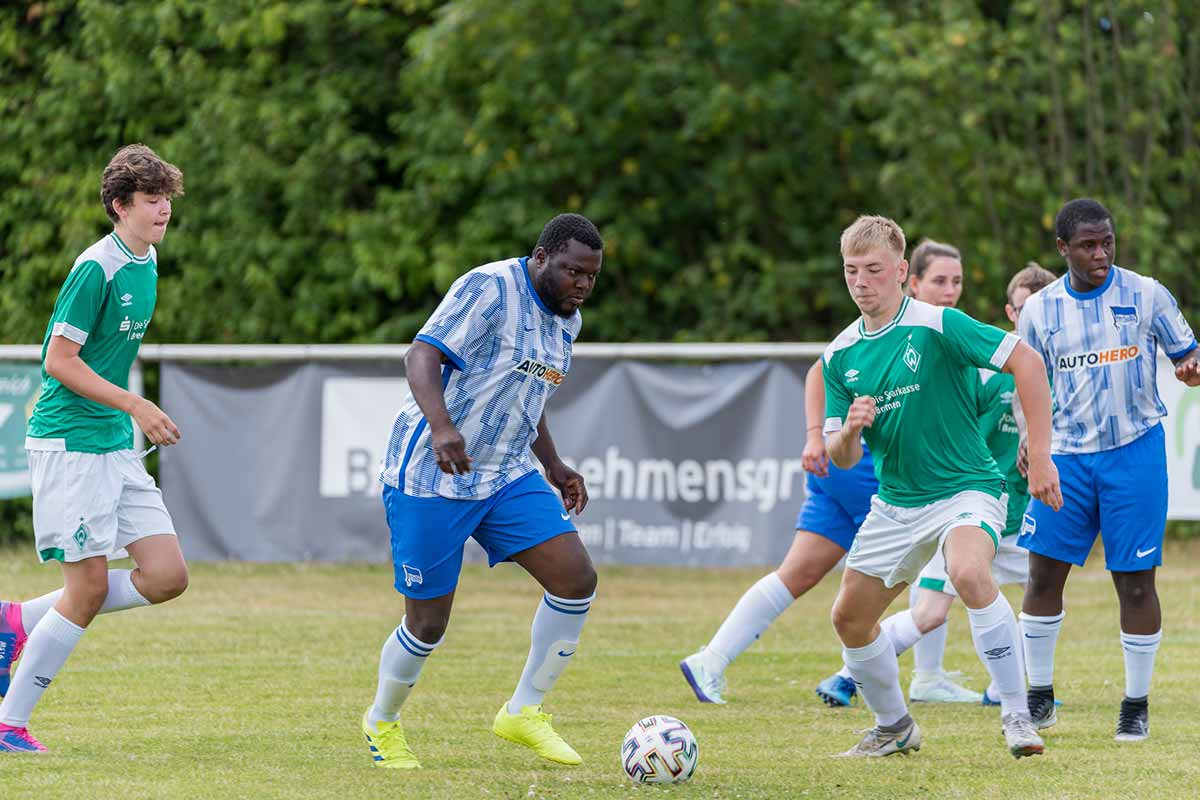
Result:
[[902, 743], [1028, 636], [565, 516], [565, 654], [1144, 553]]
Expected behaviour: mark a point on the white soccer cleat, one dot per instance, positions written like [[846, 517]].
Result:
[[878, 742], [707, 684], [1021, 735], [941, 689]]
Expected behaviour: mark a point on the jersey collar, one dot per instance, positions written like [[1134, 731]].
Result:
[[862, 322], [1091, 293], [129, 253], [537, 298]]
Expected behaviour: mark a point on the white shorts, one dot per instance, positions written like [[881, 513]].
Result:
[[92, 504], [1011, 565], [895, 543]]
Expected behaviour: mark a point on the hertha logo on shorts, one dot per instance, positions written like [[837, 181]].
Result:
[[541, 371], [412, 575]]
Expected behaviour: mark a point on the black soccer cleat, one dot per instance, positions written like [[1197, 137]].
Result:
[[1041, 706], [1133, 723]]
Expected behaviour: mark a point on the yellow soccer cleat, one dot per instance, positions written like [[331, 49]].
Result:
[[531, 728], [388, 747]]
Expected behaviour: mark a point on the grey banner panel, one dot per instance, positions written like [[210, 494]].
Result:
[[685, 464]]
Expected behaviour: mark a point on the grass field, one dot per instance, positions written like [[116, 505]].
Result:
[[252, 684]]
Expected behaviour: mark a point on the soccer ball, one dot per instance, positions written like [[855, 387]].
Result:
[[659, 749]]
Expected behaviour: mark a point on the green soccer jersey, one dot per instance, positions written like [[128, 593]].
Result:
[[999, 428], [104, 306], [922, 369]]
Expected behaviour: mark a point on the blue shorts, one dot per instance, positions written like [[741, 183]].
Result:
[[836, 506], [1119, 493], [428, 533]]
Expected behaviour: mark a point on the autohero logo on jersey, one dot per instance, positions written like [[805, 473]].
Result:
[[543, 372], [1098, 358], [136, 328]]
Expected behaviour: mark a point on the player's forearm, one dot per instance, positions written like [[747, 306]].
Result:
[[74, 373], [814, 398], [543, 446], [1033, 390], [844, 448], [423, 368]]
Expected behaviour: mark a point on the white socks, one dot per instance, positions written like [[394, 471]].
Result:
[[1040, 637], [1139, 662], [929, 651], [122, 594], [400, 663], [753, 614], [553, 639], [997, 642], [901, 629], [47, 649], [877, 672]]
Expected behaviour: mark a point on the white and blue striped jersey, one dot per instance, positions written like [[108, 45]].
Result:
[[506, 354], [1100, 349]]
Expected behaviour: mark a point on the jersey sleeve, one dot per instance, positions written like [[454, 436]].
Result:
[[974, 342], [837, 399], [79, 302], [1027, 329], [1169, 325], [466, 317]]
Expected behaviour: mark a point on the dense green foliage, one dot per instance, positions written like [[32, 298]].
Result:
[[346, 159]]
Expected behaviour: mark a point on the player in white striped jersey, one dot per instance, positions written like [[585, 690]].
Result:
[[458, 465], [1098, 329]]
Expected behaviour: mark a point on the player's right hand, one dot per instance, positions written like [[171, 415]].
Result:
[[1043, 482], [450, 450], [157, 426], [815, 457], [861, 414]]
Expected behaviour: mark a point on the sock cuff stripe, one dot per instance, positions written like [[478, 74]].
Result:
[[578, 606], [1036, 620], [882, 644], [1141, 639], [411, 643], [61, 628]]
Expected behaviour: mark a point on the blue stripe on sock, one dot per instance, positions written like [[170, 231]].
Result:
[[412, 645], [564, 609]]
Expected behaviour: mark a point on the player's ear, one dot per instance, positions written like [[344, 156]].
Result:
[[539, 256], [1062, 247]]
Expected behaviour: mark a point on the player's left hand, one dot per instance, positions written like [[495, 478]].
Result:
[[1043, 482], [1188, 371], [570, 485]]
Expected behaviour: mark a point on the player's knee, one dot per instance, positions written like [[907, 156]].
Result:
[[972, 581], [799, 580], [849, 626], [579, 584], [1137, 592], [927, 619], [170, 584]]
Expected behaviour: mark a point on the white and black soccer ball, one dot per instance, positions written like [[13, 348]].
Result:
[[659, 749]]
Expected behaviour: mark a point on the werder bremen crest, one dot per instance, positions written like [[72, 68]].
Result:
[[81, 534]]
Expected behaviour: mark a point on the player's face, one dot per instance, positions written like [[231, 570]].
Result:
[[1013, 308], [875, 279], [942, 283], [1090, 252], [145, 218], [566, 279]]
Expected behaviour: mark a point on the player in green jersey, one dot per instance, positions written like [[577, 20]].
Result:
[[92, 496], [936, 592], [904, 377]]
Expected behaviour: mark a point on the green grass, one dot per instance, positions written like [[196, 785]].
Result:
[[252, 684]]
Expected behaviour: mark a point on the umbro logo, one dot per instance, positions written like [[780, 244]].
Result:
[[40, 681], [851, 375], [997, 652], [127, 299]]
